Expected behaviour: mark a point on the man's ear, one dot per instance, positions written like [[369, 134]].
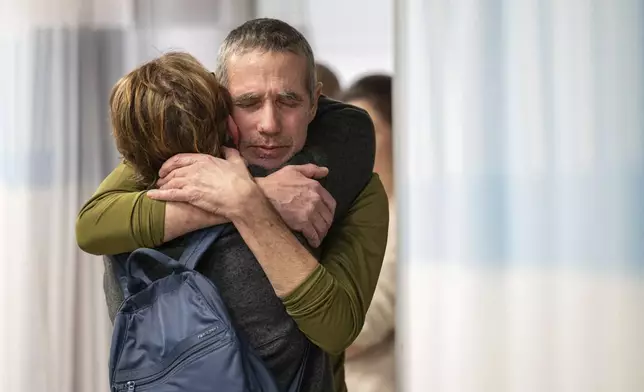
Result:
[[233, 131], [314, 105]]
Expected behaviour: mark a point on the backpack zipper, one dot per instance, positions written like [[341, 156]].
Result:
[[202, 347]]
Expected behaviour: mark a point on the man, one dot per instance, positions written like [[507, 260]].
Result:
[[269, 69]]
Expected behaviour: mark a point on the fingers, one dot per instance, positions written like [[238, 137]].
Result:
[[311, 235], [233, 156], [177, 173], [329, 202], [179, 161], [312, 171], [316, 229], [318, 221], [174, 183], [326, 214], [321, 228]]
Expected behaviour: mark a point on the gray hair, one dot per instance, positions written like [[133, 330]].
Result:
[[270, 35]]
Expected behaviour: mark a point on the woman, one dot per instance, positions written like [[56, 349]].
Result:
[[370, 364]]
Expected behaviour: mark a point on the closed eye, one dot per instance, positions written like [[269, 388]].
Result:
[[289, 103], [289, 99], [246, 100], [245, 104]]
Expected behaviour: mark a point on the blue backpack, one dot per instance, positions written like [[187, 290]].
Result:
[[174, 334]]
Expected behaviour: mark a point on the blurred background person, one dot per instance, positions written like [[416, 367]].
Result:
[[373, 94], [330, 83], [370, 364]]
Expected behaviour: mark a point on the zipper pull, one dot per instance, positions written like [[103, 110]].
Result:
[[130, 386]]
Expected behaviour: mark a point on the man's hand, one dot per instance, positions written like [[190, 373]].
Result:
[[301, 201], [219, 186]]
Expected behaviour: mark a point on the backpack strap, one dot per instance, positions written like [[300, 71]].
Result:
[[132, 278], [299, 376], [199, 242]]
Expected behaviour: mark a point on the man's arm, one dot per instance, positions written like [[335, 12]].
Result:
[[282, 257], [329, 300], [345, 136], [333, 296]]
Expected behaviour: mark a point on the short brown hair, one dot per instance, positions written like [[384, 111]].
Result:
[[167, 106], [330, 83], [376, 89]]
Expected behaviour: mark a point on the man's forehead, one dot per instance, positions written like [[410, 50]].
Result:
[[263, 57], [266, 72]]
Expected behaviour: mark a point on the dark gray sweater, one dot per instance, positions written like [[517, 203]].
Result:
[[341, 137]]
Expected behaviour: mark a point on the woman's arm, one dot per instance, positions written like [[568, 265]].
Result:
[[381, 317], [120, 218], [336, 296], [343, 136]]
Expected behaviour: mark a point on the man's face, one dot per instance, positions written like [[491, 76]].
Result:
[[272, 106]]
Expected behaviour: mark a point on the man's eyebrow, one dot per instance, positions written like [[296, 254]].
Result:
[[245, 97], [290, 95]]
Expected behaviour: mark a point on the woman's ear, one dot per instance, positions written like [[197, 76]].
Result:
[[233, 131]]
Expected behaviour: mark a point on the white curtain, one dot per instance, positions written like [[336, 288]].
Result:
[[57, 66], [60, 59], [520, 188]]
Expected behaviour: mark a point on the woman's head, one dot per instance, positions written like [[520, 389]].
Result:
[[373, 94], [167, 106]]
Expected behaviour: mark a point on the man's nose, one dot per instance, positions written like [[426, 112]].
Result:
[[269, 122]]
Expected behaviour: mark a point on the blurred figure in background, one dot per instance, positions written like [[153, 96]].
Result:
[[330, 84], [373, 94], [370, 364]]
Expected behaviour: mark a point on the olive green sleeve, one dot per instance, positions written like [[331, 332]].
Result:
[[330, 306], [120, 217]]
